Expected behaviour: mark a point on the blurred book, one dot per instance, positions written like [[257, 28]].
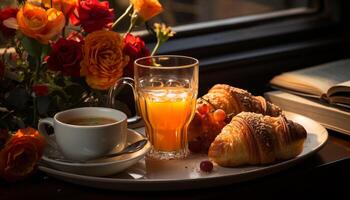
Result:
[[334, 118], [328, 82]]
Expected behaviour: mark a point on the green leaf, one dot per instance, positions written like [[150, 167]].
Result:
[[59, 80], [45, 51], [32, 60], [21, 1], [17, 98], [58, 93], [43, 104], [18, 122], [75, 92], [32, 46]]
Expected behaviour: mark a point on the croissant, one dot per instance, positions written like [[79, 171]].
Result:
[[204, 127], [235, 100], [254, 139]]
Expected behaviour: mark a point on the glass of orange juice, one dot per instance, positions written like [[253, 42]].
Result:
[[165, 89]]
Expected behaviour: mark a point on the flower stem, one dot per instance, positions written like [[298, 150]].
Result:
[[155, 49], [132, 22], [64, 28], [35, 111], [122, 16], [35, 101], [37, 68], [129, 29]]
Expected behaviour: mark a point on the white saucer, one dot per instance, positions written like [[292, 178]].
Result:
[[158, 175], [99, 167]]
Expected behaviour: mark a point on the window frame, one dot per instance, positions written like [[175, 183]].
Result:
[[271, 43], [237, 22], [206, 32], [246, 32], [240, 21]]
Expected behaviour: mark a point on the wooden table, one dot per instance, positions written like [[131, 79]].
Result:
[[325, 172]]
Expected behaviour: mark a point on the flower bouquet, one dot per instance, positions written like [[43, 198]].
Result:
[[61, 54]]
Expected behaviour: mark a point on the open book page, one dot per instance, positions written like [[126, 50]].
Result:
[[315, 80], [332, 117], [343, 87], [300, 83], [340, 93]]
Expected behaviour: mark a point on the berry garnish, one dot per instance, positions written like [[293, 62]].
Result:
[[203, 108], [219, 115], [206, 166]]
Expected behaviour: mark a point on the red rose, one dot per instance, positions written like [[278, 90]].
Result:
[[65, 57], [76, 36], [93, 15], [5, 14], [135, 48], [40, 89]]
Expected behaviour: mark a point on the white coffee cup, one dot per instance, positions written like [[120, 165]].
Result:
[[85, 142]]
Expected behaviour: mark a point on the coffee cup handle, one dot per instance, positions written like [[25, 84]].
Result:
[[42, 130], [113, 92]]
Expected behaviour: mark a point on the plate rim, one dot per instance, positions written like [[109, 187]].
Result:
[[146, 148], [270, 168]]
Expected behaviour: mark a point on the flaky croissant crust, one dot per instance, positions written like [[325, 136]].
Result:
[[235, 100], [253, 139], [203, 128]]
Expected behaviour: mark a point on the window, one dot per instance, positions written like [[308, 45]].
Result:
[[180, 12], [247, 48], [187, 15]]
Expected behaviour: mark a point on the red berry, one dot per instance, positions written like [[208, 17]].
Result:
[[219, 115], [206, 166], [203, 108]]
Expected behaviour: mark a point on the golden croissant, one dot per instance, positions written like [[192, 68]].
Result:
[[204, 127], [254, 139]]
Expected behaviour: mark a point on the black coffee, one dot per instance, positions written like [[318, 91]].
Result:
[[90, 121]]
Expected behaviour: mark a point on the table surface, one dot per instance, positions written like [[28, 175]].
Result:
[[322, 173]]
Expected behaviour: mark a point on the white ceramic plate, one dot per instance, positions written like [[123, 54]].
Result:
[[185, 174], [101, 167]]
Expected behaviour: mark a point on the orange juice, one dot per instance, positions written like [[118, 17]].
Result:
[[167, 112]]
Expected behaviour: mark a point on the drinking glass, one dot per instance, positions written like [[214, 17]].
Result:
[[165, 89]]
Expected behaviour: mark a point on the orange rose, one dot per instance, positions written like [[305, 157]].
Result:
[[66, 6], [103, 59], [20, 154], [147, 8], [40, 24]]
